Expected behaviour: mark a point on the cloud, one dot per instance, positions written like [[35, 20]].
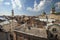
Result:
[[5, 13], [7, 3], [13, 4], [35, 7], [30, 9], [1, 1], [40, 6], [16, 3], [57, 5]]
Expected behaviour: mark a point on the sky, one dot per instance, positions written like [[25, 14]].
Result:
[[28, 7]]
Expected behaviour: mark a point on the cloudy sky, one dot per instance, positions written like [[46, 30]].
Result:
[[28, 7]]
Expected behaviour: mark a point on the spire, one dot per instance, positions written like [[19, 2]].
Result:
[[53, 8]]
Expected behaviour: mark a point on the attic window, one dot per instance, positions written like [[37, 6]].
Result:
[[54, 30]]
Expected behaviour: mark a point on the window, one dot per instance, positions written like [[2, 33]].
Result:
[[54, 30]]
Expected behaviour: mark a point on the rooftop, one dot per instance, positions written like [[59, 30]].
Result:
[[38, 32]]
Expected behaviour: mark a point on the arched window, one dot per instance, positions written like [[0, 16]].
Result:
[[54, 30]]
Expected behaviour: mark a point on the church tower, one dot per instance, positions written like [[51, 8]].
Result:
[[53, 9], [12, 13]]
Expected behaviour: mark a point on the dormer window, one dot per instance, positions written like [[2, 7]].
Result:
[[54, 30]]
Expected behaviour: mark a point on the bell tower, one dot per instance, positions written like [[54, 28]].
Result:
[[12, 13]]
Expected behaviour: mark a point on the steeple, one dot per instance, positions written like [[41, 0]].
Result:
[[53, 9]]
